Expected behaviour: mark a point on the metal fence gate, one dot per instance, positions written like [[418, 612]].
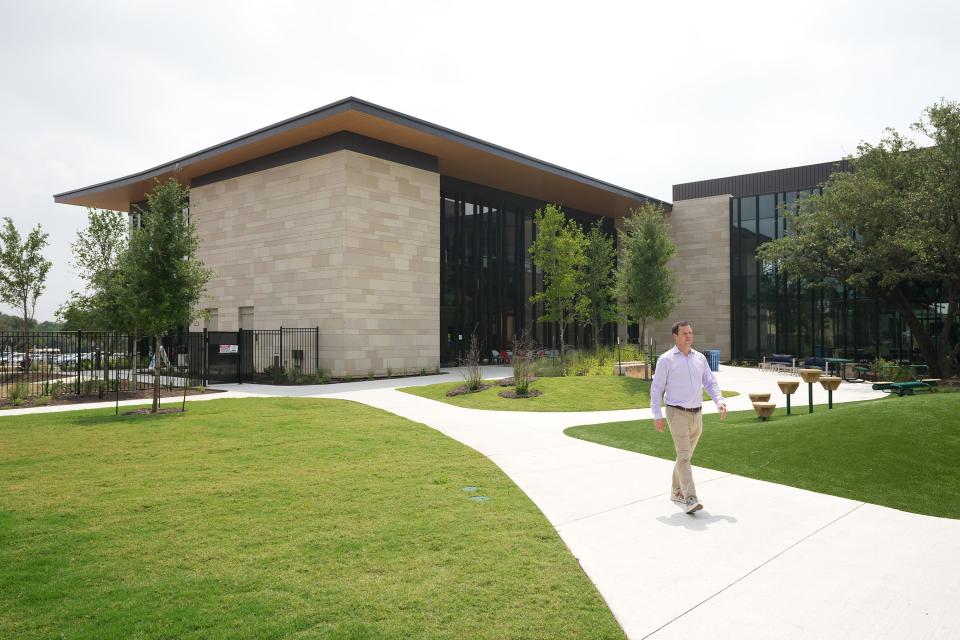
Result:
[[99, 361]]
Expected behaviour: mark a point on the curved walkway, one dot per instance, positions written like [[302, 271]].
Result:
[[760, 561]]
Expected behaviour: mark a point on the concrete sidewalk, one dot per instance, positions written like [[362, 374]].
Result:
[[760, 561]]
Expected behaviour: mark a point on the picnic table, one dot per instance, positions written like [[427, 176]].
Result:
[[840, 366]]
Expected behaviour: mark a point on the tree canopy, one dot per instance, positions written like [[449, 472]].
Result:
[[597, 275], [162, 279], [646, 285], [23, 269], [558, 251], [890, 227], [98, 252]]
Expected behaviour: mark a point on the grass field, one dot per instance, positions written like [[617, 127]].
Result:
[[267, 518], [898, 452], [572, 393]]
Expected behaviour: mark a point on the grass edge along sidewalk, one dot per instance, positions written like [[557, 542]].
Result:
[[281, 517], [896, 452], [569, 393]]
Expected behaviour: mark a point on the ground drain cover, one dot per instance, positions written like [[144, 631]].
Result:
[[479, 498]]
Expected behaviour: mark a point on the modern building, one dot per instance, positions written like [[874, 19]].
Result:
[[749, 309], [399, 238]]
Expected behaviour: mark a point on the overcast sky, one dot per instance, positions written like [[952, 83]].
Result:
[[644, 95]]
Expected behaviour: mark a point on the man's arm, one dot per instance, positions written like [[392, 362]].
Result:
[[656, 390], [713, 389]]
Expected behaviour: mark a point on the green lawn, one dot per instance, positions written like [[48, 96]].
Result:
[[574, 393], [898, 452], [267, 518]]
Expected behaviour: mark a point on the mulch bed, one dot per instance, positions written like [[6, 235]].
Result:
[[146, 412], [509, 382], [509, 393], [108, 396], [463, 390]]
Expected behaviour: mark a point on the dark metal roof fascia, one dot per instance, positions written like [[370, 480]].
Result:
[[369, 108]]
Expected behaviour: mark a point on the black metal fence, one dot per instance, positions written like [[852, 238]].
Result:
[[43, 363], [284, 355]]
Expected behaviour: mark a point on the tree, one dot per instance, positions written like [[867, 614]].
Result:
[[98, 253], [558, 251], [890, 228], [597, 274], [23, 269], [646, 286], [163, 279]]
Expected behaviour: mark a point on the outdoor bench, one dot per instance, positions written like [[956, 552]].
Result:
[[906, 388]]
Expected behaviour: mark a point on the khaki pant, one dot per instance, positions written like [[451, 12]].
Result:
[[685, 428]]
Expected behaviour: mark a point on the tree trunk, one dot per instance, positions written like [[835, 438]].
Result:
[[927, 346], [132, 380], [563, 351], [643, 333], [949, 353]]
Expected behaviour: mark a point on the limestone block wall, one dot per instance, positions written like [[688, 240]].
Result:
[[343, 241], [701, 231]]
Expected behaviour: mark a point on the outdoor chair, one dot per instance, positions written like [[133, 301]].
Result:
[[779, 363]]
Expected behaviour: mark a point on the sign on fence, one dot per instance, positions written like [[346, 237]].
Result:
[[229, 348]]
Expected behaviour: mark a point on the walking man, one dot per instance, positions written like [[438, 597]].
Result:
[[683, 373]]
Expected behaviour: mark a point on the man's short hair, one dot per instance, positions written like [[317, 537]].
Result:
[[676, 326]]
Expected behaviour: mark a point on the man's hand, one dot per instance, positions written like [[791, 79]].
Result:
[[658, 425], [723, 411]]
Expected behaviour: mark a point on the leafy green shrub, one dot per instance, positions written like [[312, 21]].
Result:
[[41, 401], [370, 374], [548, 368], [887, 370], [91, 387], [321, 377], [18, 393], [56, 389]]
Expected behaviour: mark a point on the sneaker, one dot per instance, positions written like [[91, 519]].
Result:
[[693, 504], [677, 496]]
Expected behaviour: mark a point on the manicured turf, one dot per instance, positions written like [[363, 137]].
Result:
[[898, 452], [574, 393], [267, 518]]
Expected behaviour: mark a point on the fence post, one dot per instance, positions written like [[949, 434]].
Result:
[[280, 364], [205, 359], [316, 349], [239, 356], [79, 341]]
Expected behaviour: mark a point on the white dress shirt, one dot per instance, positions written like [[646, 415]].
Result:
[[684, 377]]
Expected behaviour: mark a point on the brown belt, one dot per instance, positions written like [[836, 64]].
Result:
[[673, 406]]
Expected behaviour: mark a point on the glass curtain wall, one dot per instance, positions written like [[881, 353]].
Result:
[[487, 275], [771, 315]]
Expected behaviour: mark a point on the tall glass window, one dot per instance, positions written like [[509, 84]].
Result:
[[487, 275], [770, 314]]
